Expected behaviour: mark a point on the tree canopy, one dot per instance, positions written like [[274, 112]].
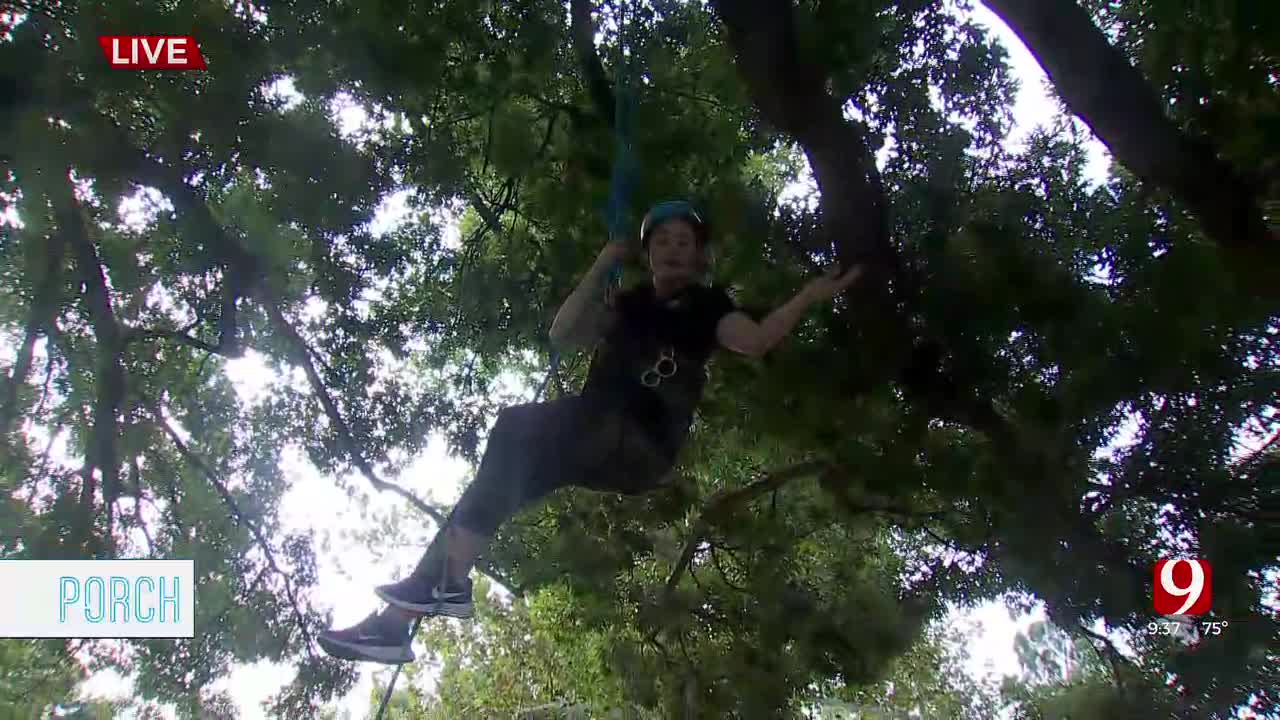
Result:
[[1041, 385]]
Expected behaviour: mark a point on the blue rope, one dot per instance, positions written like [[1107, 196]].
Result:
[[623, 179], [625, 168]]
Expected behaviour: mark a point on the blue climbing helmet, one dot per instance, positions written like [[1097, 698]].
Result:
[[668, 210]]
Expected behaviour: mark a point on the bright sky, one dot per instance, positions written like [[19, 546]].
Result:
[[348, 572]]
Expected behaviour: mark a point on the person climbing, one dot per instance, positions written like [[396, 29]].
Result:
[[621, 433]]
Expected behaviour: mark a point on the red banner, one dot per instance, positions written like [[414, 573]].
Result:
[[152, 52]]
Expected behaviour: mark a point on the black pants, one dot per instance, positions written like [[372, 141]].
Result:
[[582, 441]]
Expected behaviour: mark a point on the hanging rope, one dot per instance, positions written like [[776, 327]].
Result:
[[391, 686], [621, 183], [413, 631], [623, 178], [625, 167]]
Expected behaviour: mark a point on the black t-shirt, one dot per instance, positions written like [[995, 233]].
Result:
[[647, 329]]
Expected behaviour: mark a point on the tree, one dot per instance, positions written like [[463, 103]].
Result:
[[930, 680], [37, 675], [40, 679], [526, 656], [933, 437], [1048, 654], [1121, 106], [532, 658]]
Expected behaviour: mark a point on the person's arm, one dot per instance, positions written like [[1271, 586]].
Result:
[[741, 334], [583, 317]]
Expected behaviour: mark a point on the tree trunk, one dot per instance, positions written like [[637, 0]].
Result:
[[44, 307], [791, 93]]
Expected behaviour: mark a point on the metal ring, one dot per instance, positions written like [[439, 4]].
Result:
[[650, 373], [663, 363]]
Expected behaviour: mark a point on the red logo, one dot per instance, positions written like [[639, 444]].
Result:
[[152, 52], [1182, 587]]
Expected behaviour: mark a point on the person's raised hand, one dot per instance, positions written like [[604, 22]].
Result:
[[613, 253], [832, 283]]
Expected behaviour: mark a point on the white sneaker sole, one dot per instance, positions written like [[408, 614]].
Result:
[[450, 609], [374, 653]]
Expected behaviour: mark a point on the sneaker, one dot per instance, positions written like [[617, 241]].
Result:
[[417, 594], [375, 639]]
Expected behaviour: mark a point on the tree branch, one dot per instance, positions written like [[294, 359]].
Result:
[[715, 558], [790, 91], [300, 352], [705, 100], [44, 391], [1259, 454], [546, 136], [584, 45], [791, 94], [48, 448], [686, 556], [228, 331], [726, 500], [491, 216], [43, 309], [143, 335], [137, 507], [891, 509], [240, 518], [110, 374], [1112, 655], [691, 693], [1124, 111], [950, 544], [172, 506]]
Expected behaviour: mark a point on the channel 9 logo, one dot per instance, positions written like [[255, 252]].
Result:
[[1182, 586]]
